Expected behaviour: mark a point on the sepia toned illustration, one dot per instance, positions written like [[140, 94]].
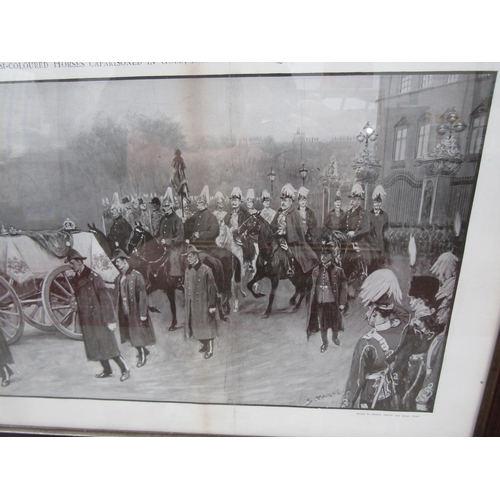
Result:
[[290, 241]]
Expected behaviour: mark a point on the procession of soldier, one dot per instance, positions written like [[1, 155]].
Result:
[[207, 248]]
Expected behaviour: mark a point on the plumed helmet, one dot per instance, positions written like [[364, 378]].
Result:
[[303, 192], [250, 194], [357, 191], [236, 193], [379, 194], [168, 199], [287, 191], [204, 196], [265, 195], [218, 196]]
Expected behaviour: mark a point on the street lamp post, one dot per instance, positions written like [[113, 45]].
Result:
[[303, 173], [367, 134], [272, 176]]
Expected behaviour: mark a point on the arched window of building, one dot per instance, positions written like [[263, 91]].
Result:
[[477, 130], [426, 81], [423, 134], [405, 83], [400, 140]]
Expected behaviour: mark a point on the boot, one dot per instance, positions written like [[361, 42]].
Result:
[[106, 370], [324, 338], [5, 376], [123, 367], [141, 356], [210, 349]]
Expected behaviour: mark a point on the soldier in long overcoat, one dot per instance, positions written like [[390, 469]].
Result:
[[328, 299], [6, 359], [97, 317], [131, 302], [203, 227], [287, 226], [201, 302]]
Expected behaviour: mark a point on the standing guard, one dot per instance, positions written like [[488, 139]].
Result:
[[370, 383]]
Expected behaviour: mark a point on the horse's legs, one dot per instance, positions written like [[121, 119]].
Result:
[[293, 300], [274, 286], [170, 286], [250, 285]]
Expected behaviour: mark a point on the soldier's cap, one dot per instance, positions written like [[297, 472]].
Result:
[[73, 255], [155, 201], [424, 287], [119, 254], [385, 303], [191, 249]]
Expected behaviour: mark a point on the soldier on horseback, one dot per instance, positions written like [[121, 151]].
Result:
[[287, 228]]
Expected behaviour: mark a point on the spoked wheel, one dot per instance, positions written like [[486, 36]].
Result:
[[11, 313], [59, 302], [34, 312]]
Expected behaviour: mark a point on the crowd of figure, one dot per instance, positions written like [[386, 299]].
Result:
[[395, 365]]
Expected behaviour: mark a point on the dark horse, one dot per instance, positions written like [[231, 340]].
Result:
[[150, 258], [273, 263], [357, 259]]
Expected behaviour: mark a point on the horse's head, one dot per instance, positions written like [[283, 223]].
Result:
[[139, 236]]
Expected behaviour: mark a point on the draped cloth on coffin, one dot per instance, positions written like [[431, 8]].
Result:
[[25, 258]]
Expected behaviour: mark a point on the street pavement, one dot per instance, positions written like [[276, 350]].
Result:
[[256, 361]]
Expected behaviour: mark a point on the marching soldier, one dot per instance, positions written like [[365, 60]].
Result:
[[201, 302], [97, 317], [132, 308], [328, 299]]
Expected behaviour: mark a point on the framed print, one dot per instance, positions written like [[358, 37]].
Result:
[[297, 249]]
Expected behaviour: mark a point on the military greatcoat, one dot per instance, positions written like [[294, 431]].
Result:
[[201, 295], [205, 223], [95, 311], [336, 283], [131, 303]]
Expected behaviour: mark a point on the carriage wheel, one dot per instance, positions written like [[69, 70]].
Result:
[[11, 313], [59, 302], [34, 312]]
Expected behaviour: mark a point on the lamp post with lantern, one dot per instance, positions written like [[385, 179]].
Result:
[[272, 176], [303, 173]]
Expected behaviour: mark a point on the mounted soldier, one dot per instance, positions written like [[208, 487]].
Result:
[[202, 227], [267, 213], [287, 227]]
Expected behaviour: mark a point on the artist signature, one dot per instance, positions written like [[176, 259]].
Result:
[[321, 397]]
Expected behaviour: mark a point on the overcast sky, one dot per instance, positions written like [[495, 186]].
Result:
[[318, 106]]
